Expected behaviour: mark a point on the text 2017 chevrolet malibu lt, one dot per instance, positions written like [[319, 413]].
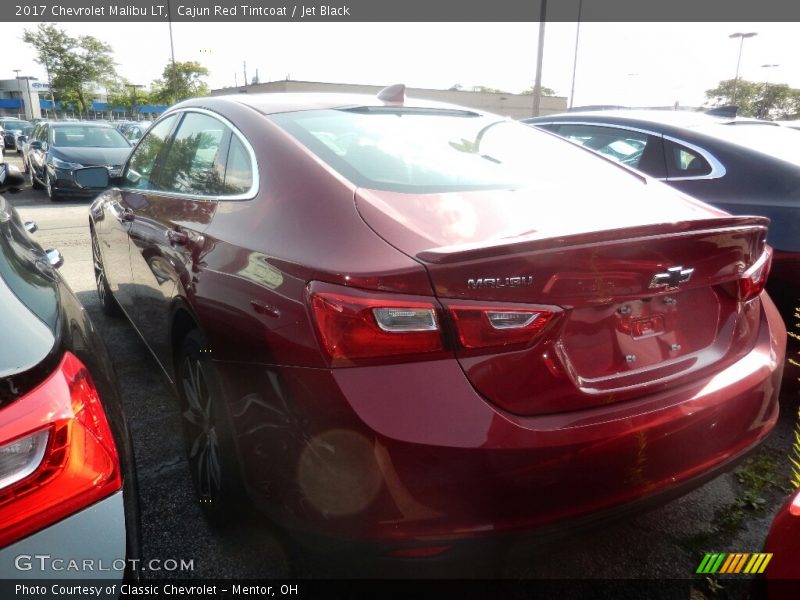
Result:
[[388, 325]]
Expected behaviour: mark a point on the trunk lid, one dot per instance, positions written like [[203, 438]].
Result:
[[643, 284]]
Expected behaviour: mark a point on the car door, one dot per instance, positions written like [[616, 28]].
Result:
[[168, 221], [118, 213], [638, 149]]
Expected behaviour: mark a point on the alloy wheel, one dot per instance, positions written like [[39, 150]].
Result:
[[201, 429]]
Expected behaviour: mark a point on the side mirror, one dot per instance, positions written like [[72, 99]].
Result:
[[11, 178], [23, 138], [36, 145], [54, 257], [91, 177]]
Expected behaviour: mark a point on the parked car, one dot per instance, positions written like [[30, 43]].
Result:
[[778, 577], [743, 166], [388, 326], [67, 476], [58, 148], [134, 131], [11, 128]]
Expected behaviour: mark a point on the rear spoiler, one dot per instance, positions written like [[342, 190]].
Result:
[[528, 243], [728, 112]]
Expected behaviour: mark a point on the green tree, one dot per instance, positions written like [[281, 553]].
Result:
[[121, 94], [753, 99], [546, 91], [179, 82], [75, 65]]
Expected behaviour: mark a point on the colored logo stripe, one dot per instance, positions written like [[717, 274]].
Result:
[[723, 563]]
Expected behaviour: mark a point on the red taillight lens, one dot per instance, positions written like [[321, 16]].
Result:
[[752, 281], [57, 453], [355, 324], [484, 326], [794, 507]]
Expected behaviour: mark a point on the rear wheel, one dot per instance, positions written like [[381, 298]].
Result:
[[107, 301], [208, 434]]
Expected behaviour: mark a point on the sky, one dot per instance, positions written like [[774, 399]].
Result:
[[634, 64]]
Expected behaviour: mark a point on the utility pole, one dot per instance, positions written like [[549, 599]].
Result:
[[575, 60], [537, 86]]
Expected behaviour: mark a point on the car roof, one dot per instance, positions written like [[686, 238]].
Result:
[[277, 102], [675, 118]]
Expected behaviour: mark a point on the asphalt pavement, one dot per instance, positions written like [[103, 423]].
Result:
[[724, 515]]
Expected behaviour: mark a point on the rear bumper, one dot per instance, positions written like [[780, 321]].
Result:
[[90, 544], [411, 453]]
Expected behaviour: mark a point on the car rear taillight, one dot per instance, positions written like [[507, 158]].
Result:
[[752, 281], [355, 324], [482, 326], [359, 324], [794, 507], [57, 453]]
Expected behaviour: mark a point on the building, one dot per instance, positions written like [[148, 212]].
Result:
[[20, 98], [516, 106]]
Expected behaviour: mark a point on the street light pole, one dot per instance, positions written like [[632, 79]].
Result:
[[764, 112], [741, 37]]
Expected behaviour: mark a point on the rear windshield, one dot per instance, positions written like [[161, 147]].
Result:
[[87, 137], [13, 124], [438, 150]]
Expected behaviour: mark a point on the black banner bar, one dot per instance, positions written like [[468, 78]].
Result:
[[32, 11]]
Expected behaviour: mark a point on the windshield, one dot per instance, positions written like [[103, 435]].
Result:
[[13, 124], [81, 136], [780, 142], [433, 150]]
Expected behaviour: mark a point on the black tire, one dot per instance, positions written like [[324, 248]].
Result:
[[35, 184], [107, 301], [208, 434], [51, 193]]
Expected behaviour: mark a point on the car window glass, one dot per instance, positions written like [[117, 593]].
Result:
[[191, 164], [417, 151], [139, 169], [622, 145], [238, 169], [684, 162], [79, 136]]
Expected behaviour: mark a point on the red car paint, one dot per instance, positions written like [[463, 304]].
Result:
[[627, 391]]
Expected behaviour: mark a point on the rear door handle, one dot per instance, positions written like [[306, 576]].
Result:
[[176, 237]]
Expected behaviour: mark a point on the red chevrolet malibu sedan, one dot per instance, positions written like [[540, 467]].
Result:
[[408, 324]]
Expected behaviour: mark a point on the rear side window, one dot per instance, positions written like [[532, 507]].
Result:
[[684, 162], [192, 163], [139, 170], [238, 169]]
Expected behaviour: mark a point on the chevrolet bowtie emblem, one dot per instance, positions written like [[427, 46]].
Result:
[[671, 278]]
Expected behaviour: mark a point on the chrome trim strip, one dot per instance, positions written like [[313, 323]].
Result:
[[249, 194]]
